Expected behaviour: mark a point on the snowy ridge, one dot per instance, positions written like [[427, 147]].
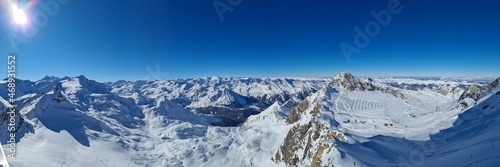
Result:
[[135, 116], [355, 116]]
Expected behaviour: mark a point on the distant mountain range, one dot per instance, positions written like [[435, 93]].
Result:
[[339, 121]]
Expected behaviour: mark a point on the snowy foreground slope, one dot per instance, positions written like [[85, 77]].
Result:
[[341, 121]]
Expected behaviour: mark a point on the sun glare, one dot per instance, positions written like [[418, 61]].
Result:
[[18, 15]]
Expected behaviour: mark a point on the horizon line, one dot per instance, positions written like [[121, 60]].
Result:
[[280, 77]]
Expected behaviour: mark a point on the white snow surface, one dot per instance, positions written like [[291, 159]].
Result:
[[74, 121]]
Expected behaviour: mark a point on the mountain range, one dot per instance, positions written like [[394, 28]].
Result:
[[212, 121]]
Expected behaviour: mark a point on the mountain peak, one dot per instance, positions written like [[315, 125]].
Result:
[[74, 84], [49, 78], [474, 92], [495, 83], [346, 75], [214, 78], [348, 81], [82, 77]]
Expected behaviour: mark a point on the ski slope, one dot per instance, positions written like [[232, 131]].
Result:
[[372, 113], [471, 141]]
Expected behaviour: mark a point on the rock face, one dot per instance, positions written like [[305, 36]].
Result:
[[472, 92], [20, 124], [475, 92], [349, 82], [294, 115], [493, 85], [305, 144]]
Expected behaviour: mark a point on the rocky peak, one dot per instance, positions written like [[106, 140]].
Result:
[[494, 84], [92, 86], [475, 92], [49, 78], [82, 78], [348, 81], [471, 92]]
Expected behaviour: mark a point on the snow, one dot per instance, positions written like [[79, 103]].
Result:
[[49, 148], [74, 121], [3, 158], [71, 86], [465, 144], [366, 113]]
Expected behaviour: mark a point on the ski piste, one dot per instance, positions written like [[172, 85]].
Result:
[[3, 158]]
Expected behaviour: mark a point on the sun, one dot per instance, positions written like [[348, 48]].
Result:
[[18, 15]]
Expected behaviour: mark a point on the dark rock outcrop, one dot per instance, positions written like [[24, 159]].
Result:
[[351, 83]]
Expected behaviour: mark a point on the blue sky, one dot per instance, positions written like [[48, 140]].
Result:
[[119, 39]]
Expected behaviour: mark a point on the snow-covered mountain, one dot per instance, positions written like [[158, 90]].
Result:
[[342, 127], [213, 121]]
